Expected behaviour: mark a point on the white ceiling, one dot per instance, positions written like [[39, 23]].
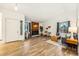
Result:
[[42, 11]]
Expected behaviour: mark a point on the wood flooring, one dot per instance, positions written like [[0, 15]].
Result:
[[36, 46]]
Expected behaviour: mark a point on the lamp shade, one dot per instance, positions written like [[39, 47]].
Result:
[[72, 29]]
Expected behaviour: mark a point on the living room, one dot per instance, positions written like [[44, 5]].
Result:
[[39, 29]]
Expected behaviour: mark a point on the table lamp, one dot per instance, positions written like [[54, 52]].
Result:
[[72, 30]]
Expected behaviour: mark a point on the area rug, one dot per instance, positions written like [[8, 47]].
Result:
[[54, 43]]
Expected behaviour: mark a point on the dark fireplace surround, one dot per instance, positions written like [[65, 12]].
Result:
[[35, 28]]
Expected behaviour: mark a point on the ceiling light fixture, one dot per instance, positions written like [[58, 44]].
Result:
[[16, 7]]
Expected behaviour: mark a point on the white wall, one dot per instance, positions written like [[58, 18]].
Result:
[[0, 26], [51, 23]]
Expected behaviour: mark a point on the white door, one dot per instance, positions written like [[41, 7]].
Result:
[[11, 30]]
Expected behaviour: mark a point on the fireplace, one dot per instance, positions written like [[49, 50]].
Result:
[[35, 28]]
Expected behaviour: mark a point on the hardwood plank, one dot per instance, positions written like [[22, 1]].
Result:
[[34, 47]]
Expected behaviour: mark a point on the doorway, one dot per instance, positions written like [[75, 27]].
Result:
[[27, 30]]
